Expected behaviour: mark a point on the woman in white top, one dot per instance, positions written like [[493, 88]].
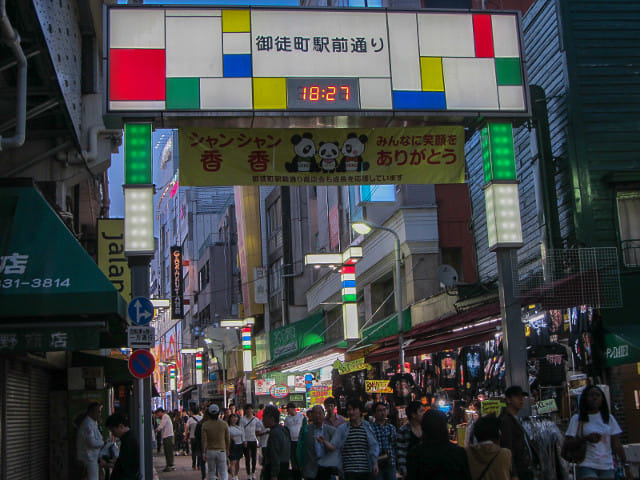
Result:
[[237, 444], [597, 426]]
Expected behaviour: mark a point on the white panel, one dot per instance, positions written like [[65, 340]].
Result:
[[225, 94], [194, 47], [236, 43], [505, 36], [136, 28], [193, 13], [137, 105], [511, 97], [446, 35], [405, 57], [375, 94], [138, 220], [470, 83], [317, 23]]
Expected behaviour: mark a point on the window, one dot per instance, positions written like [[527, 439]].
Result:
[[378, 193], [629, 224], [203, 276], [274, 226]]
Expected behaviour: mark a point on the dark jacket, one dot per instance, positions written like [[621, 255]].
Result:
[[278, 453], [513, 438], [439, 462], [127, 467]]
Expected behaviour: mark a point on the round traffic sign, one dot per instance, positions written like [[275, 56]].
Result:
[[140, 311], [141, 363]]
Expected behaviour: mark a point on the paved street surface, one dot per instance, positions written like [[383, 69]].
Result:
[[184, 471]]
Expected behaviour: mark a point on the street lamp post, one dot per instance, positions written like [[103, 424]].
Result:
[[363, 227]]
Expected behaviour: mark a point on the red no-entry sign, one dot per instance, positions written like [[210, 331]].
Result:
[[141, 363]]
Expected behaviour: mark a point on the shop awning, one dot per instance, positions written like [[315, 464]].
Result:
[[54, 296], [466, 328], [623, 345], [308, 355]]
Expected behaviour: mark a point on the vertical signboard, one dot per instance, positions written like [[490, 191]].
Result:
[[177, 300], [111, 258], [260, 285]]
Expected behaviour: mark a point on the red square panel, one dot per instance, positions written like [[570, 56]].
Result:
[[483, 36], [136, 74]]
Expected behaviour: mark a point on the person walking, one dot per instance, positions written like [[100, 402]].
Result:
[[332, 418], [237, 444], [190, 436], [294, 422], [317, 456], [409, 435], [89, 441], [435, 457], [250, 424], [514, 437], [216, 442], [487, 460], [127, 465], [595, 425], [165, 428], [278, 451], [386, 436], [357, 443]]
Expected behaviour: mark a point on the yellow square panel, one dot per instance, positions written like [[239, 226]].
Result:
[[270, 93], [234, 21], [431, 72]]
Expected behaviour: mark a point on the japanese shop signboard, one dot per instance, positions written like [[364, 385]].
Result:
[[177, 287], [274, 59], [428, 155]]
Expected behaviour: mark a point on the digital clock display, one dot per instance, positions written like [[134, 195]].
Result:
[[323, 94]]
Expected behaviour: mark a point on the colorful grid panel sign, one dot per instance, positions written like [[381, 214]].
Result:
[[261, 59]]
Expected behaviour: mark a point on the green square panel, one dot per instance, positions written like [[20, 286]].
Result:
[[183, 93], [508, 71]]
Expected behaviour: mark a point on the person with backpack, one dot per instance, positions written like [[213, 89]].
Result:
[[487, 460], [190, 436], [251, 425], [198, 444]]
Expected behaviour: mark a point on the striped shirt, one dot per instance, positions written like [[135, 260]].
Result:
[[355, 451]]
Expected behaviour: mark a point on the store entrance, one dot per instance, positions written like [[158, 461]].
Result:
[[632, 409]]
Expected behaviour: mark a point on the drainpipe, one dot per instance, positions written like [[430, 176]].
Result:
[[90, 155], [12, 39]]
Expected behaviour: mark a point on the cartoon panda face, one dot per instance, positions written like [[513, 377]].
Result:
[[305, 148], [329, 151], [353, 147]]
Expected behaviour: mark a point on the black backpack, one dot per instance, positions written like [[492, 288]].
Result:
[[198, 438]]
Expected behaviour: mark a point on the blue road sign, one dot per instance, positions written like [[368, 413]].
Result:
[[140, 311], [141, 363]]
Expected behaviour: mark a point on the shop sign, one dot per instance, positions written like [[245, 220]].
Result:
[[291, 60], [352, 366], [300, 383], [260, 285], [546, 406], [263, 385], [494, 407], [296, 397], [110, 253], [618, 351], [400, 155], [279, 390], [319, 393], [177, 300], [377, 386], [49, 339], [284, 341]]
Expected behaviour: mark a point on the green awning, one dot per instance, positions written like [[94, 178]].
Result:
[[48, 281], [623, 346], [386, 327]]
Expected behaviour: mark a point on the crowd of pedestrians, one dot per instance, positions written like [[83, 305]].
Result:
[[320, 444]]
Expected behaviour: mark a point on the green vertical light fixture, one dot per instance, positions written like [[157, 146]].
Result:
[[498, 154], [137, 154]]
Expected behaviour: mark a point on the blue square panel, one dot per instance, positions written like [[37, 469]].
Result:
[[236, 65], [409, 100]]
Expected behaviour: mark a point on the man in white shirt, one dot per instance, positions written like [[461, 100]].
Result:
[[293, 422], [89, 441], [166, 437], [190, 436]]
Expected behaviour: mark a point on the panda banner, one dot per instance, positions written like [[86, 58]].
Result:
[[328, 156]]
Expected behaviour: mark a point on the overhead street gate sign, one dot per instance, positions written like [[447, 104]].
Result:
[[314, 62]]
